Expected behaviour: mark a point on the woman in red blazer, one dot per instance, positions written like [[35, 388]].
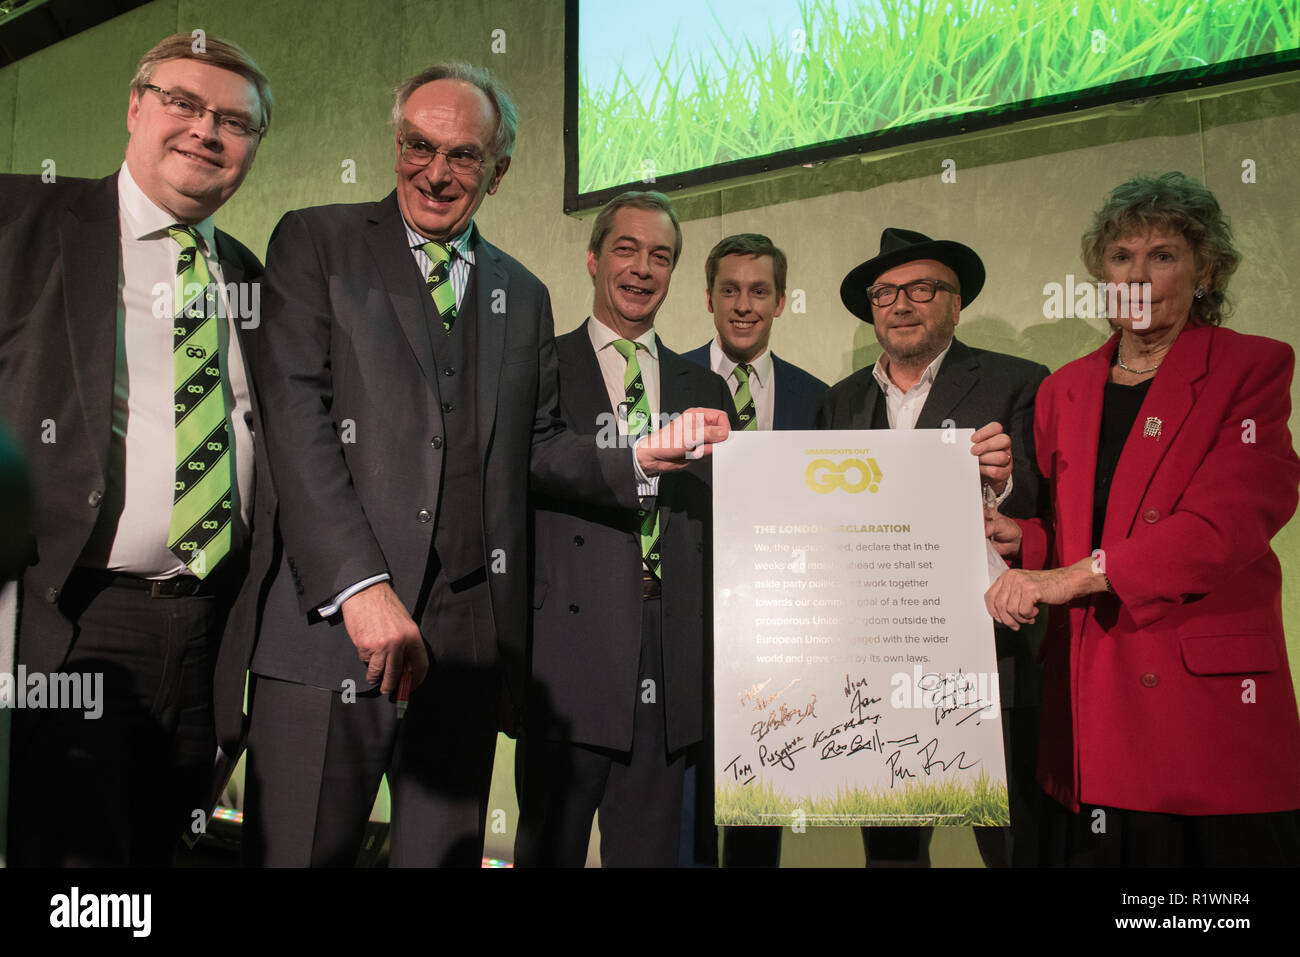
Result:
[[1169, 726]]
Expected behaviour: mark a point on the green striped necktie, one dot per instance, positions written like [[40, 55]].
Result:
[[439, 283], [638, 423], [199, 531], [744, 401]]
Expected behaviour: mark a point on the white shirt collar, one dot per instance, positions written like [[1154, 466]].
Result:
[[142, 218], [879, 370], [602, 337], [461, 244], [723, 365]]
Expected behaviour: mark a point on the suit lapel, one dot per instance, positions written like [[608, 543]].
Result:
[[582, 386], [674, 397], [862, 405], [232, 271], [492, 284], [1169, 401], [386, 238], [780, 396], [1078, 425], [957, 375], [90, 245]]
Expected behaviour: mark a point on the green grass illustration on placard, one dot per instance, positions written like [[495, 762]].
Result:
[[974, 801], [890, 64]]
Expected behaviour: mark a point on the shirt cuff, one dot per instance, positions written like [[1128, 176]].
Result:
[[327, 611], [646, 485], [1006, 492]]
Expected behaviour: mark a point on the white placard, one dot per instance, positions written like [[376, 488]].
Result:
[[855, 675]]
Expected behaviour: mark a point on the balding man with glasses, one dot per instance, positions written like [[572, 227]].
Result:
[[913, 292], [125, 318], [410, 382]]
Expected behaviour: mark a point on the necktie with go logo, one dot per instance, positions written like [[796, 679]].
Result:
[[199, 531], [638, 423]]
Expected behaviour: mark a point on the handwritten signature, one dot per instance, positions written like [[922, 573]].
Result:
[[927, 752], [783, 756], [740, 772], [779, 719], [753, 695]]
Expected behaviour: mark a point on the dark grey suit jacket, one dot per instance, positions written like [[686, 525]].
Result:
[[973, 387], [355, 431], [60, 254], [799, 394], [587, 594]]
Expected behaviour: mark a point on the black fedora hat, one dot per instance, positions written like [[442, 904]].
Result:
[[898, 246]]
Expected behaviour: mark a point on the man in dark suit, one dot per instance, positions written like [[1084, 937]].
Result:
[[124, 318], [409, 376], [913, 293], [744, 289], [622, 596]]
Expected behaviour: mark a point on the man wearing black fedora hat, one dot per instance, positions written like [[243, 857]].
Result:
[[913, 292]]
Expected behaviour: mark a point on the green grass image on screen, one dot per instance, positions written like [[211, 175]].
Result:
[[856, 74], [948, 803]]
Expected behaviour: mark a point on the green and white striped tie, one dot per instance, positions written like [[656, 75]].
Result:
[[638, 423], [199, 531], [744, 401], [439, 283]]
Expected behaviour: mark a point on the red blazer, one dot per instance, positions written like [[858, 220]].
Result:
[[1174, 694]]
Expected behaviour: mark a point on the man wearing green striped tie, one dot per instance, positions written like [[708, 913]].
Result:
[[127, 390], [622, 598]]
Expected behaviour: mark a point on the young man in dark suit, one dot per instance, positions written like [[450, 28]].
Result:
[[409, 376], [621, 606], [913, 292], [744, 289], [125, 318]]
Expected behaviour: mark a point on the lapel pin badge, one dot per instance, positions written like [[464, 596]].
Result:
[[1151, 430]]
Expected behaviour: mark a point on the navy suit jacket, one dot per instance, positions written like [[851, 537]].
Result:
[[799, 394]]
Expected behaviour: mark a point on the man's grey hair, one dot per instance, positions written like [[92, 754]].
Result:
[[503, 143]]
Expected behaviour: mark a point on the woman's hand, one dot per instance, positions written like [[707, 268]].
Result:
[[1013, 599]]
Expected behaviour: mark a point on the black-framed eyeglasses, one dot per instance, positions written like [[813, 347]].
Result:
[[918, 290], [461, 160], [183, 107]]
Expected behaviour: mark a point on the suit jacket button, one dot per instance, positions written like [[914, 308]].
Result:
[[436, 441], [51, 595], [449, 371], [573, 609], [1151, 516], [1150, 680], [95, 497], [424, 516], [447, 407], [578, 540]]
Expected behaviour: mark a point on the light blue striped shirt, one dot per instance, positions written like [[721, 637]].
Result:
[[462, 258]]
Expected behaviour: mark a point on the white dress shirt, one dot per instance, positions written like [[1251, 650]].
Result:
[[762, 383], [905, 407], [142, 470]]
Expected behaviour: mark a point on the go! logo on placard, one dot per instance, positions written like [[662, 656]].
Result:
[[852, 475]]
